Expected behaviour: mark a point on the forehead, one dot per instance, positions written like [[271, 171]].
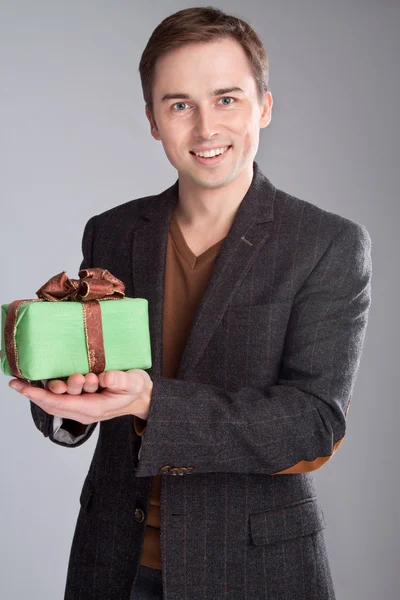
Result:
[[201, 65]]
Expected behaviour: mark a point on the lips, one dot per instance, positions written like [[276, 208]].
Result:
[[211, 162], [227, 148]]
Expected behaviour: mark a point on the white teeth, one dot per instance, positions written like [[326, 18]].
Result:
[[210, 153]]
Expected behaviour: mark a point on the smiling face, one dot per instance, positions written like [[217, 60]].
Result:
[[197, 108]]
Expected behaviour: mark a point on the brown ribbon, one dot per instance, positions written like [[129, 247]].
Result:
[[94, 285]]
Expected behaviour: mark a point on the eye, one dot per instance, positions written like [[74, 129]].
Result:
[[177, 104], [228, 98]]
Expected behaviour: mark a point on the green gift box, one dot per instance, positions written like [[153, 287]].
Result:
[[75, 327]]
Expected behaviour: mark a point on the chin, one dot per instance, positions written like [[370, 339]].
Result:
[[211, 182]]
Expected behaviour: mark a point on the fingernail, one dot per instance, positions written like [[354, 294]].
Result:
[[111, 380]]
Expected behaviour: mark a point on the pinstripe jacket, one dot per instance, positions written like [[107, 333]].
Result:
[[259, 403]]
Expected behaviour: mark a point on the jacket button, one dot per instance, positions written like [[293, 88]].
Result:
[[165, 469], [139, 515]]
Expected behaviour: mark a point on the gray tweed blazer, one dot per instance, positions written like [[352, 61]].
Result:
[[264, 384]]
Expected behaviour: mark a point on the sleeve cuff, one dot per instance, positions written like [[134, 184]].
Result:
[[61, 435]]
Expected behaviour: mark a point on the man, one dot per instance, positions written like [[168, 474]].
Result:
[[201, 484]]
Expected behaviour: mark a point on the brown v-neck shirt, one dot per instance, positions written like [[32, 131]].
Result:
[[186, 277]]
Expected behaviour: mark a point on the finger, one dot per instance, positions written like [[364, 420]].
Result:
[[57, 386], [17, 384], [107, 380], [122, 381], [75, 383], [91, 384]]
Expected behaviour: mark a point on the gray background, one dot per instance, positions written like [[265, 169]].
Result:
[[75, 141]]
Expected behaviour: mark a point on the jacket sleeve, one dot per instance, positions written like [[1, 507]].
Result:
[[67, 432], [295, 425]]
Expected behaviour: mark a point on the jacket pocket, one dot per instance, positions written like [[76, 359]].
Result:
[[286, 522]]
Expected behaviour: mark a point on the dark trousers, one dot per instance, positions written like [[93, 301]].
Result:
[[148, 584]]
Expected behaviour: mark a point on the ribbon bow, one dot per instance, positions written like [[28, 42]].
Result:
[[94, 284]]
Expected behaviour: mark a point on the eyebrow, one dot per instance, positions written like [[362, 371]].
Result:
[[219, 92]]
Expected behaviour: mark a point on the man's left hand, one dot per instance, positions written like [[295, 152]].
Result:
[[79, 398]]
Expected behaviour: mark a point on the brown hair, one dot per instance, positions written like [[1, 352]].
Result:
[[202, 24]]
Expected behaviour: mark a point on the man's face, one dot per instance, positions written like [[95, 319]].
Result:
[[196, 119]]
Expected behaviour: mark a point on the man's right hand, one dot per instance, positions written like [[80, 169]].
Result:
[[74, 384]]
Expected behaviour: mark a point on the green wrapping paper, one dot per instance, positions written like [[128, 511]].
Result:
[[50, 338]]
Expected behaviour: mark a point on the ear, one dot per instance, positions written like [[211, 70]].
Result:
[[153, 127], [266, 110]]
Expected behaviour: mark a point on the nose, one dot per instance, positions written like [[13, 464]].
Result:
[[205, 124]]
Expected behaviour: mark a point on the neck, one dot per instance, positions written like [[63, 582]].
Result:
[[202, 208]]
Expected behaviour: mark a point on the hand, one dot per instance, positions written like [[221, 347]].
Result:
[[79, 398]]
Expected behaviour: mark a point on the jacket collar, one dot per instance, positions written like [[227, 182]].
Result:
[[239, 249]]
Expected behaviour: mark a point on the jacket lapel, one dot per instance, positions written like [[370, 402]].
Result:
[[241, 246]]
